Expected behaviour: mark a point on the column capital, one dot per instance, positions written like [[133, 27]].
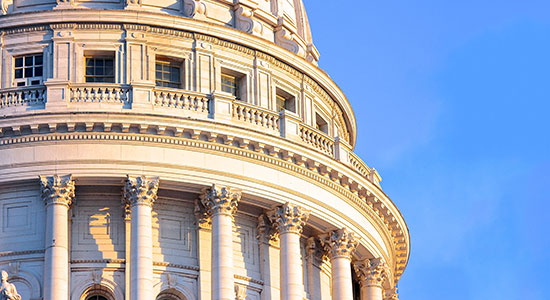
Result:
[[339, 243], [220, 200], [140, 190], [391, 294], [289, 218], [371, 272], [57, 189]]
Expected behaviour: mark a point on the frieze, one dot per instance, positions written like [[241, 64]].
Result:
[[363, 199]]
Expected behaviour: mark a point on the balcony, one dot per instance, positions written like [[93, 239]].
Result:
[[149, 99]]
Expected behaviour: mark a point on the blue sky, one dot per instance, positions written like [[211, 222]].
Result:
[[452, 100]]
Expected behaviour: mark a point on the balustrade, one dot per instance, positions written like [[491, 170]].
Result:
[[100, 93], [317, 139], [255, 115], [180, 99], [21, 96]]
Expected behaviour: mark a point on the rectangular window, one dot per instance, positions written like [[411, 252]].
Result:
[[168, 74], [28, 69], [285, 101], [230, 84], [100, 69], [321, 124]]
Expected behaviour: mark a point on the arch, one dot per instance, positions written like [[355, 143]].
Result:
[[171, 294], [174, 290], [83, 288], [97, 290], [29, 280]]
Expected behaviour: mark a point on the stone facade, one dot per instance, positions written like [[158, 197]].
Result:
[[182, 149]]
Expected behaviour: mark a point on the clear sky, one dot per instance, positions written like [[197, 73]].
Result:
[[452, 100]]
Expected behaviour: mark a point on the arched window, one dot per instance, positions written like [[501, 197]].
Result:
[[171, 294], [96, 297]]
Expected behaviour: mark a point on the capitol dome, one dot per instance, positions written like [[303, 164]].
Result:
[[184, 150]]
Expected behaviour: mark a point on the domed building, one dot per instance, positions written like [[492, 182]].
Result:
[[182, 150]]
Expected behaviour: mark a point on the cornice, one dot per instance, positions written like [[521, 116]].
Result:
[[362, 194]]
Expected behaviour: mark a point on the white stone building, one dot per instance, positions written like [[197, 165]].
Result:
[[183, 149]]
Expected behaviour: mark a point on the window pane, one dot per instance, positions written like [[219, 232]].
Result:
[[109, 62], [28, 72], [19, 62], [158, 67], [18, 73], [175, 75], [89, 62], [38, 60], [90, 79], [109, 79], [99, 62], [28, 61], [99, 71], [38, 71], [109, 71]]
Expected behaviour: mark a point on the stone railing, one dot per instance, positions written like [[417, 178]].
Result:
[[358, 165], [21, 96], [317, 139], [99, 93], [186, 100], [255, 115]]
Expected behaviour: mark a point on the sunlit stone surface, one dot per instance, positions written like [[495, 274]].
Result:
[[183, 149]]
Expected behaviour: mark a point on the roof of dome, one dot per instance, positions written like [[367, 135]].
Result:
[[283, 22]]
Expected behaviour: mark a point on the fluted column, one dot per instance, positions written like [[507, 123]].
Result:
[[58, 194], [140, 193], [340, 245], [371, 273], [221, 204], [289, 221]]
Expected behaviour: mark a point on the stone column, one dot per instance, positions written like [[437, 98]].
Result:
[[371, 273], [340, 245], [221, 204], [140, 193], [58, 194], [289, 221]]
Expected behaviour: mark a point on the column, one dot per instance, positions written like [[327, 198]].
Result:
[[371, 273], [140, 193], [340, 245], [58, 194], [221, 205], [289, 220]]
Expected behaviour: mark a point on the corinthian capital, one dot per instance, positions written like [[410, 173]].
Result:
[[372, 272], [141, 190], [391, 294], [57, 189], [220, 200], [289, 218], [339, 243]]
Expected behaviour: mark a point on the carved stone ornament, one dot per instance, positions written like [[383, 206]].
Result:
[[8, 290], [141, 190], [391, 294], [245, 21], [371, 272], [220, 200], [201, 216], [195, 9], [289, 218], [266, 234], [339, 243], [6, 5], [240, 291], [57, 189]]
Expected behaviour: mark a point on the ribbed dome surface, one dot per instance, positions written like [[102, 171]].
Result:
[[283, 22]]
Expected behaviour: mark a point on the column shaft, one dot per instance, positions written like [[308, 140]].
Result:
[[141, 255], [292, 281], [371, 292], [222, 257], [342, 287], [56, 257]]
